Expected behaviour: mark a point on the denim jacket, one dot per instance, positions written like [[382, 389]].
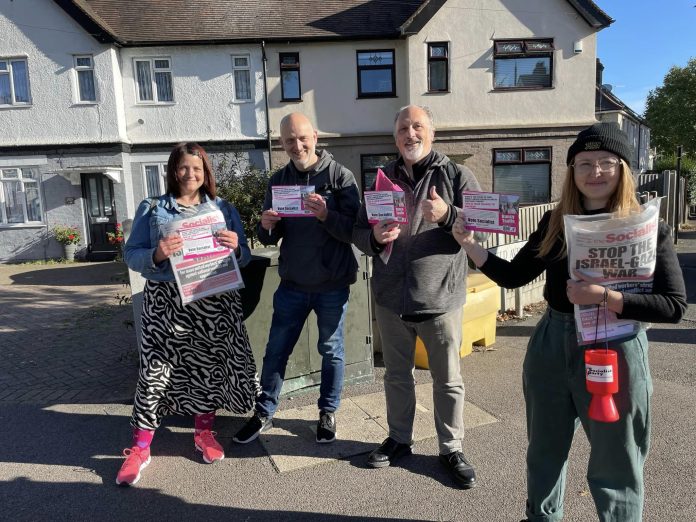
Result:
[[145, 235]]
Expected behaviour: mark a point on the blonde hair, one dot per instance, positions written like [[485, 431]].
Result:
[[623, 202]]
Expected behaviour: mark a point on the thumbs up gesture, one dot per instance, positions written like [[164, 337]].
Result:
[[434, 208]]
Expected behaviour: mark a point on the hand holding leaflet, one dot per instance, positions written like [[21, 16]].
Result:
[[389, 229]]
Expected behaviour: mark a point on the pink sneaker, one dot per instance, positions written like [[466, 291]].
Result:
[[206, 444], [136, 461]]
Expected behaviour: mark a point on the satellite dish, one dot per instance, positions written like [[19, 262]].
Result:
[[607, 87]]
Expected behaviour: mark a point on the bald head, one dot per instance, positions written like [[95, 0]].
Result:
[[299, 139]]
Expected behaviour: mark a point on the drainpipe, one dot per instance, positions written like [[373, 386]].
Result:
[[265, 98]]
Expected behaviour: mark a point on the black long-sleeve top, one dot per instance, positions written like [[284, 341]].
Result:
[[666, 303]]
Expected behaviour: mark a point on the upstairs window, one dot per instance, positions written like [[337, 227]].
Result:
[[241, 72], [290, 77], [525, 172], [20, 201], [438, 67], [376, 74], [84, 68], [14, 82], [154, 80], [523, 64]]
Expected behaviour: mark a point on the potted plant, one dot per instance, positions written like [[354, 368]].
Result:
[[116, 238], [69, 237]]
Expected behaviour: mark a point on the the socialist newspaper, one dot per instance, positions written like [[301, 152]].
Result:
[[202, 267], [618, 253]]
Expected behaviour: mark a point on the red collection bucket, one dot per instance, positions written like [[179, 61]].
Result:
[[602, 381]]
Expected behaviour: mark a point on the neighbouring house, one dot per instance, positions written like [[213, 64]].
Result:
[[96, 92], [88, 118], [610, 108]]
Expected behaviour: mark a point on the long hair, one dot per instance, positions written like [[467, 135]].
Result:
[[194, 149], [623, 201]]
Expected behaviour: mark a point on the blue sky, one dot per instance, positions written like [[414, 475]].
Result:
[[646, 40]]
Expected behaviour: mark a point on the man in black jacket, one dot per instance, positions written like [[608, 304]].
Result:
[[317, 266]]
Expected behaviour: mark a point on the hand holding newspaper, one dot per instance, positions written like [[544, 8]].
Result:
[[618, 253], [202, 267], [377, 208]]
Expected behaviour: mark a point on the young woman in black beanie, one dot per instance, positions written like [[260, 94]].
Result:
[[598, 180]]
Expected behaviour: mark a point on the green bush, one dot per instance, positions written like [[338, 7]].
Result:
[[688, 170], [244, 186]]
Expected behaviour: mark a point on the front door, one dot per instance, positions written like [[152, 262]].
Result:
[[98, 194]]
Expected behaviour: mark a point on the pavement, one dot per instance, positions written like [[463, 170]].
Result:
[[68, 366]]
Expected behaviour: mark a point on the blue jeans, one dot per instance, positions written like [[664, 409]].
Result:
[[290, 311]]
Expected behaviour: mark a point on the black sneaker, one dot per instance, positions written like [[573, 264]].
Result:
[[254, 426], [326, 428], [462, 472]]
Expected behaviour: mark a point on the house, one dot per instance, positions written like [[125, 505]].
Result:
[[610, 108], [103, 89]]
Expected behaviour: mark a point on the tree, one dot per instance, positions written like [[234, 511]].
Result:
[[671, 110], [244, 186]]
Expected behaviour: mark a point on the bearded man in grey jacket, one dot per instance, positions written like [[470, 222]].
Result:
[[420, 291]]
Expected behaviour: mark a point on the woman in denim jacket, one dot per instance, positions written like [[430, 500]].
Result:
[[196, 359]]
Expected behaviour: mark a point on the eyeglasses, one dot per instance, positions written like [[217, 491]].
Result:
[[605, 165]]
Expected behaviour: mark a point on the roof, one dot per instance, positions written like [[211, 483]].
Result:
[[606, 101], [152, 22], [171, 22]]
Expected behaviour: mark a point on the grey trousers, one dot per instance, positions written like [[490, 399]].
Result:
[[442, 337]]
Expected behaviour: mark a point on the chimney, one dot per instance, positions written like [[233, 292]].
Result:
[[600, 70]]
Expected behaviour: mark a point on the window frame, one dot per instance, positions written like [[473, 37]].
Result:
[[435, 59], [236, 98], [153, 83], [291, 67], [363, 170], [162, 177], [10, 74], [524, 161], [526, 50], [4, 223], [82, 68], [360, 68]]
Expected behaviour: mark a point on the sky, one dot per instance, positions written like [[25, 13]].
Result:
[[647, 38]]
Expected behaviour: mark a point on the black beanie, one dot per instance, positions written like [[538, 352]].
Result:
[[602, 136]]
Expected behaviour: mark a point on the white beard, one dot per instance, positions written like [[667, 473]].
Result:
[[412, 154]]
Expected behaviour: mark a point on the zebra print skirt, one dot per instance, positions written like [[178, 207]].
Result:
[[193, 359]]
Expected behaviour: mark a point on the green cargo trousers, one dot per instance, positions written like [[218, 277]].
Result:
[[557, 402]]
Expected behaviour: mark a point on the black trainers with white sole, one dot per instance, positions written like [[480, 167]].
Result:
[[326, 428], [253, 428]]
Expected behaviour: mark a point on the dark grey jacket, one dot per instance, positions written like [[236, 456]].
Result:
[[316, 256], [426, 273]]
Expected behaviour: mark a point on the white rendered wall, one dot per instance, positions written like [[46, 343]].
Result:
[[470, 26], [203, 107], [328, 76], [43, 34]]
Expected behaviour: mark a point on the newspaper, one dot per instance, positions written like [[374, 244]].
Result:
[[618, 253], [491, 212], [288, 200], [202, 267], [385, 204]]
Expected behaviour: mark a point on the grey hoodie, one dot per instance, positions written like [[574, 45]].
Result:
[[316, 256], [427, 269]]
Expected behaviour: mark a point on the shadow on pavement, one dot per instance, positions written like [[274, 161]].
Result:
[[78, 274]]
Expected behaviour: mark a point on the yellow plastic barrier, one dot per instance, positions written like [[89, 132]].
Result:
[[478, 317]]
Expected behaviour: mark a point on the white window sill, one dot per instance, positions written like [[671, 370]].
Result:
[[239, 102], [17, 106], [22, 225], [85, 104], [154, 104]]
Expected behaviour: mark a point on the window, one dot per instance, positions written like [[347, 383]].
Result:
[[154, 79], [84, 67], [20, 201], [376, 74], [438, 67], [241, 72], [14, 82], [154, 176], [369, 163], [290, 76], [526, 172], [523, 64]]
